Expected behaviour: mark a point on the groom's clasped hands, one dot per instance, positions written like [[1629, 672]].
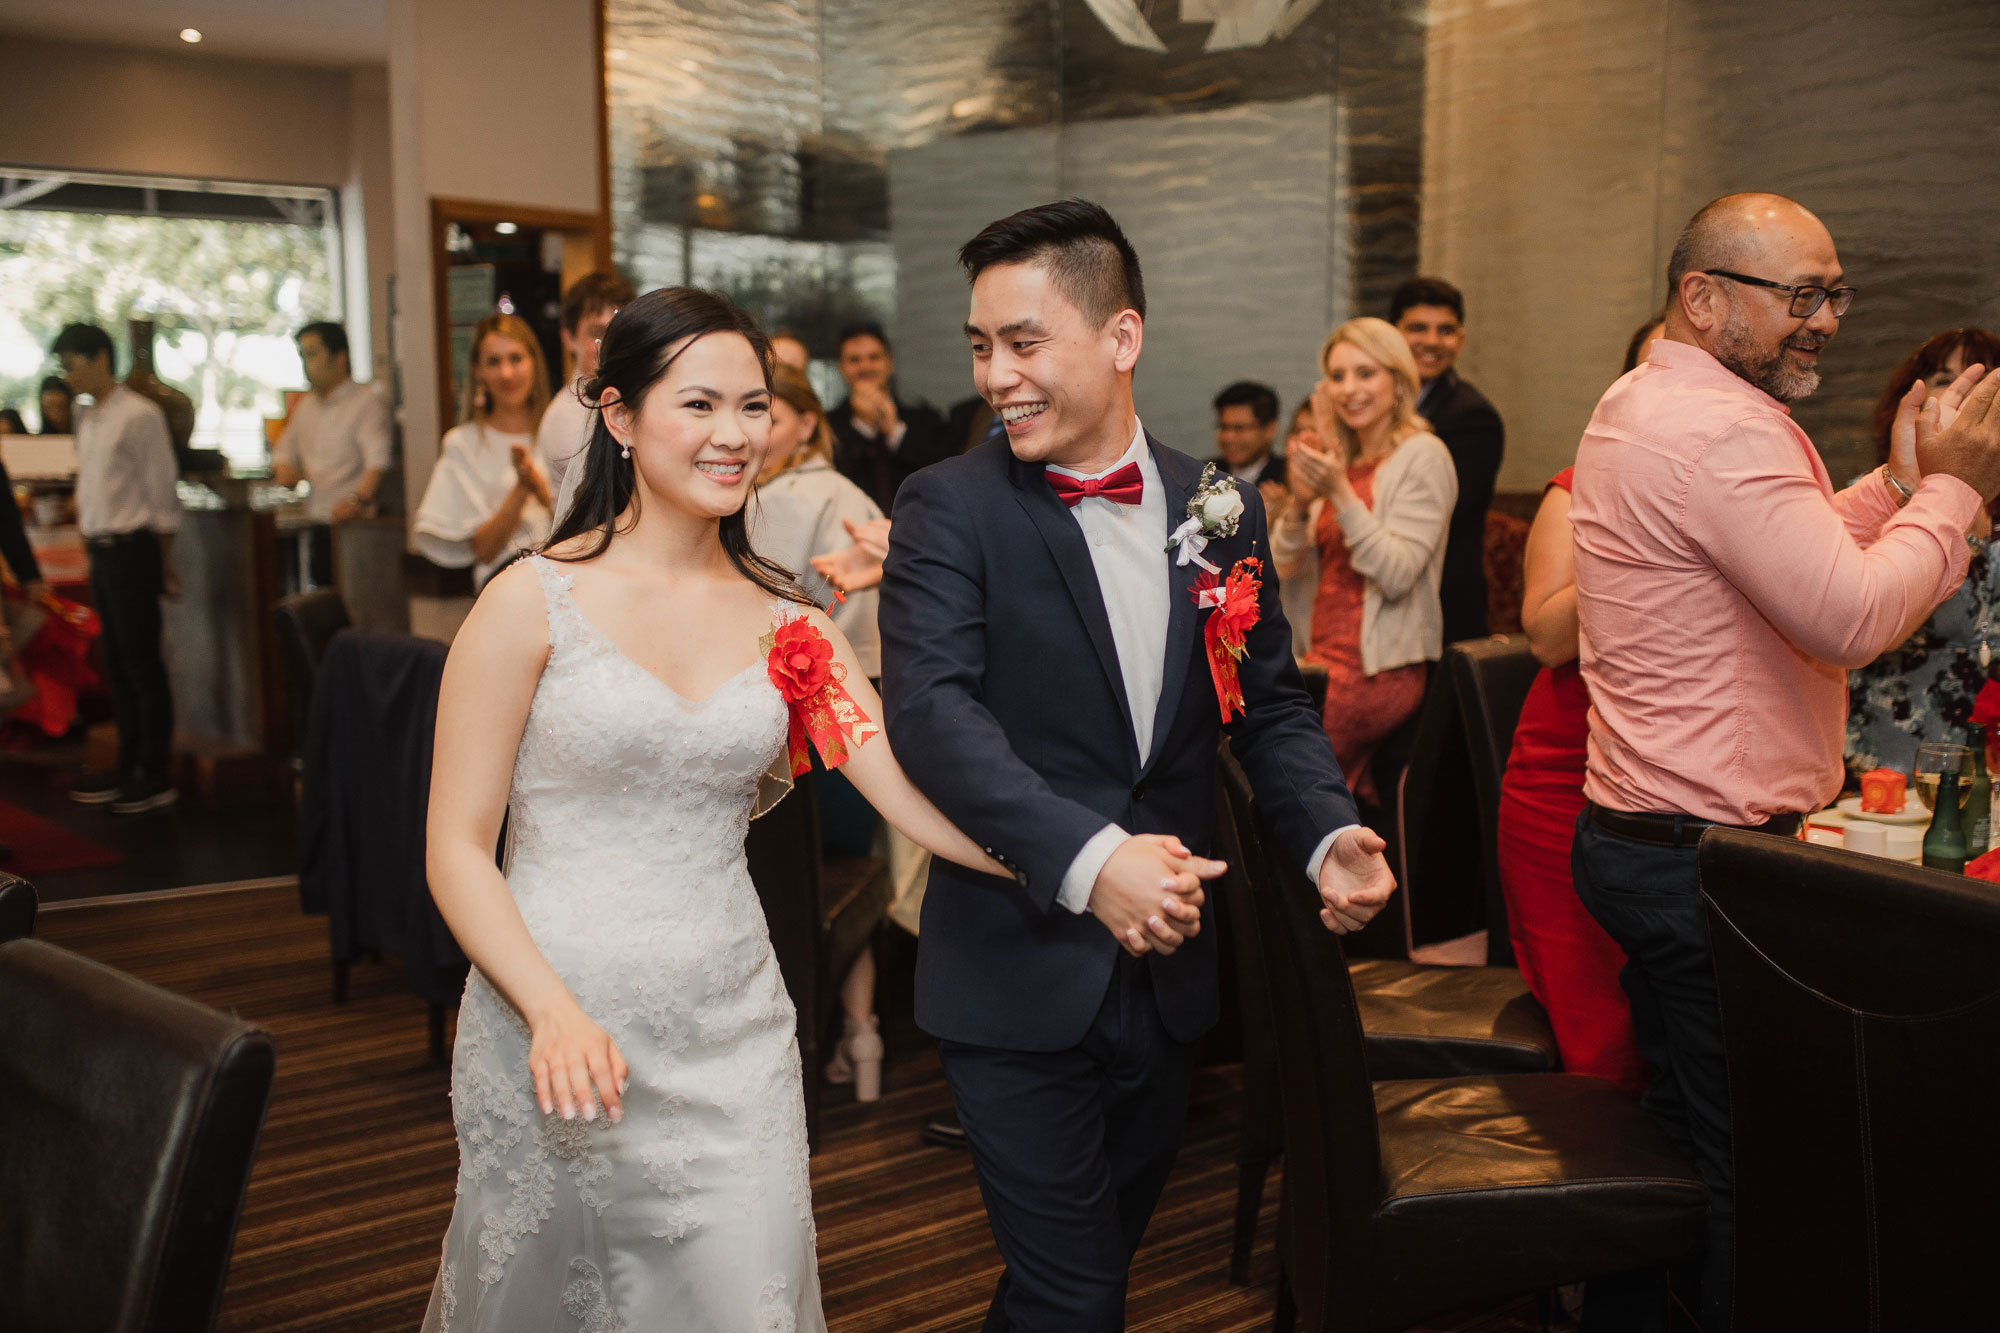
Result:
[[1149, 894]]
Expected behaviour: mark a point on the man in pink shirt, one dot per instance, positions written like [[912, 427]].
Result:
[[1723, 589]]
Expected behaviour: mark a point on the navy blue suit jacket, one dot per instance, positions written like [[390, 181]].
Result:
[[1007, 708]]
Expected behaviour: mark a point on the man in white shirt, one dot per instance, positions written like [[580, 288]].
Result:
[[587, 309], [337, 441], [128, 511]]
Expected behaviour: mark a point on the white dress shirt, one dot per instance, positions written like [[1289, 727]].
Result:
[[560, 438], [1128, 552], [334, 441], [125, 467]]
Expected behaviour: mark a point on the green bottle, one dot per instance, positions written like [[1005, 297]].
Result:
[[1978, 816], [1944, 840]]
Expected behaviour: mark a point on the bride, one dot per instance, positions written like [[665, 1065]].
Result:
[[626, 1082]]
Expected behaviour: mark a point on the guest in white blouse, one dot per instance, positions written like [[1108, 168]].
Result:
[[797, 514], [587, 308], [128, 512], [489, 496]]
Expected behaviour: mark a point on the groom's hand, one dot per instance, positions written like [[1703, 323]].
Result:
[[1149, 893], [1354, 880]]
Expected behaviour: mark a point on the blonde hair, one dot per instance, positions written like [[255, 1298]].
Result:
[[1380, 341], [790, 383], [475, 404]]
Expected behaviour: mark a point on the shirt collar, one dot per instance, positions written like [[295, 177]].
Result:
[[1671, 355], [1135, 452]]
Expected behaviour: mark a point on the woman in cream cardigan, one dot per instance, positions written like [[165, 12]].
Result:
[[1373, 491]]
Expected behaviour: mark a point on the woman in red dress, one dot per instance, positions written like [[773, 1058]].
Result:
[[1568, 961], [1373, 490]]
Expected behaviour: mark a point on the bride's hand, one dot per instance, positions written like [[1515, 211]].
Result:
[[567, 1054]]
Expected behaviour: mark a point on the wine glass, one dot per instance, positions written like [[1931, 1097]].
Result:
[[1934, 760]]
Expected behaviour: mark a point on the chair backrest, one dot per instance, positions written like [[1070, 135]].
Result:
[[1860, 1011], [1504, 558], [1491, 678], [1333, 1163], [307, 623], [1246, 998], [784, 857], [18, 903], [129, 1118], [1438, 863]]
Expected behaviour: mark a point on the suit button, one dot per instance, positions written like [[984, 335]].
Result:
[[1139, 792]]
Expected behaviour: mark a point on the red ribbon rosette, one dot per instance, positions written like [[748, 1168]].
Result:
[[1234, 615], [800, 663]]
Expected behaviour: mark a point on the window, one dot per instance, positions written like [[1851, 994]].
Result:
[[227, 272]]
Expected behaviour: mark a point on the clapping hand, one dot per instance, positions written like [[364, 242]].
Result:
[[568, 1054], [529, 473], [874, 404], [1956, 433], [1922, 411], [1149, 894], [859, 567], [1354, 880]]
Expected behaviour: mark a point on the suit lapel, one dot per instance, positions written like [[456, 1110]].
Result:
[[1180, 475], [1066, 543]]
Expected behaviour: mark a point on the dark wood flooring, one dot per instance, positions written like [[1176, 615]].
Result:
[[353, 1183]]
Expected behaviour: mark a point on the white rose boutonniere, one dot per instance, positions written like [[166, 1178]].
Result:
[[1213, 513]]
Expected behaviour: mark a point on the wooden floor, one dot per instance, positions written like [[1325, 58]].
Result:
[[353, 1183]]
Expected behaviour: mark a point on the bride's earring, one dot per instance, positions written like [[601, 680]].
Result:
[[624, 451]]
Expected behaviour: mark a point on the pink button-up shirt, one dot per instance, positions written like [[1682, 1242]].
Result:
[[1723, 590]]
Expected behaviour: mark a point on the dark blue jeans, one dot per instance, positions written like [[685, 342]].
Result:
[[1648, 899]]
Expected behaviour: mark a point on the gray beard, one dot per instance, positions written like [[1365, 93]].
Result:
[[1738, 350]]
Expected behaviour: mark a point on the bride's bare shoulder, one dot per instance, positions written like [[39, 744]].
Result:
[[509, 619]]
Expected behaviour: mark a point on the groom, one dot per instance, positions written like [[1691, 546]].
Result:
[[1046, 687]]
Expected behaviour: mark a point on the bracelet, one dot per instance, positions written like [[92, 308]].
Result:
[[1902, 493]]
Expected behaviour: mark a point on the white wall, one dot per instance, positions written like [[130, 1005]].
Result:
[[105, 108], [489, 100]]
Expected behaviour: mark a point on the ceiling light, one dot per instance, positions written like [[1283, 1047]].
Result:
[[190, 34], [505, 228]]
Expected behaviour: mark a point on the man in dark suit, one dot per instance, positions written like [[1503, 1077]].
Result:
[[1430, 312], [878, 438], [1246, 426], [1045, 685]]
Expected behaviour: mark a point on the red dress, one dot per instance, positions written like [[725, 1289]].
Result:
[[1568, 961], [1361, 710]]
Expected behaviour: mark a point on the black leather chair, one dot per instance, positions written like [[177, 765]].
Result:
[[1261, 1131], [1435, 848], [1417, 1021], [307, 622], [129, 1118], [1860, 1011], [1407, 1198], [1422, 1021], [821, 913], [18, 903], [1491, 678]]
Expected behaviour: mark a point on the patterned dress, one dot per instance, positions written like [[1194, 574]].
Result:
[[1923, 690]]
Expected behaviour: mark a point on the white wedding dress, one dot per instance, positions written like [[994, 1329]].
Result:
[[627, 819]]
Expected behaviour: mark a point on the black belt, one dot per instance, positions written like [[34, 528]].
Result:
[[120, 539], [1681, 830]]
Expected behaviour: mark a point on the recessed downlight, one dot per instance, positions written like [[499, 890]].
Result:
[[190, 34], [506, 228]]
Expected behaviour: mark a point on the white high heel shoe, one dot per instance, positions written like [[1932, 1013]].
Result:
[[857, 1059]]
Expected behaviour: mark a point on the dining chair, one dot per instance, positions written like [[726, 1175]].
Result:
[[1860, 1004], [821, 912], [129, 1118], [1407, 1198], [1490, 679], [18, 905]]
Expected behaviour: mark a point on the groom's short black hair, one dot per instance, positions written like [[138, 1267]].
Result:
[[1088, 257]]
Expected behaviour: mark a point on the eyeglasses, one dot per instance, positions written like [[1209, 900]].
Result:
[[1806, 301]]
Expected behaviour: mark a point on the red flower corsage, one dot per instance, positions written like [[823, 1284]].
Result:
[[1235, 612], [800, 663]]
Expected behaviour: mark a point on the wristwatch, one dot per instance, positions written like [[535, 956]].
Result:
[[1901, 493]]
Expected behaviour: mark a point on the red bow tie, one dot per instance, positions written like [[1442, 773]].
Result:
[[1125, 487]]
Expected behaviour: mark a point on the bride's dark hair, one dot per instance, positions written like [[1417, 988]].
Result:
[[643, 340]]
